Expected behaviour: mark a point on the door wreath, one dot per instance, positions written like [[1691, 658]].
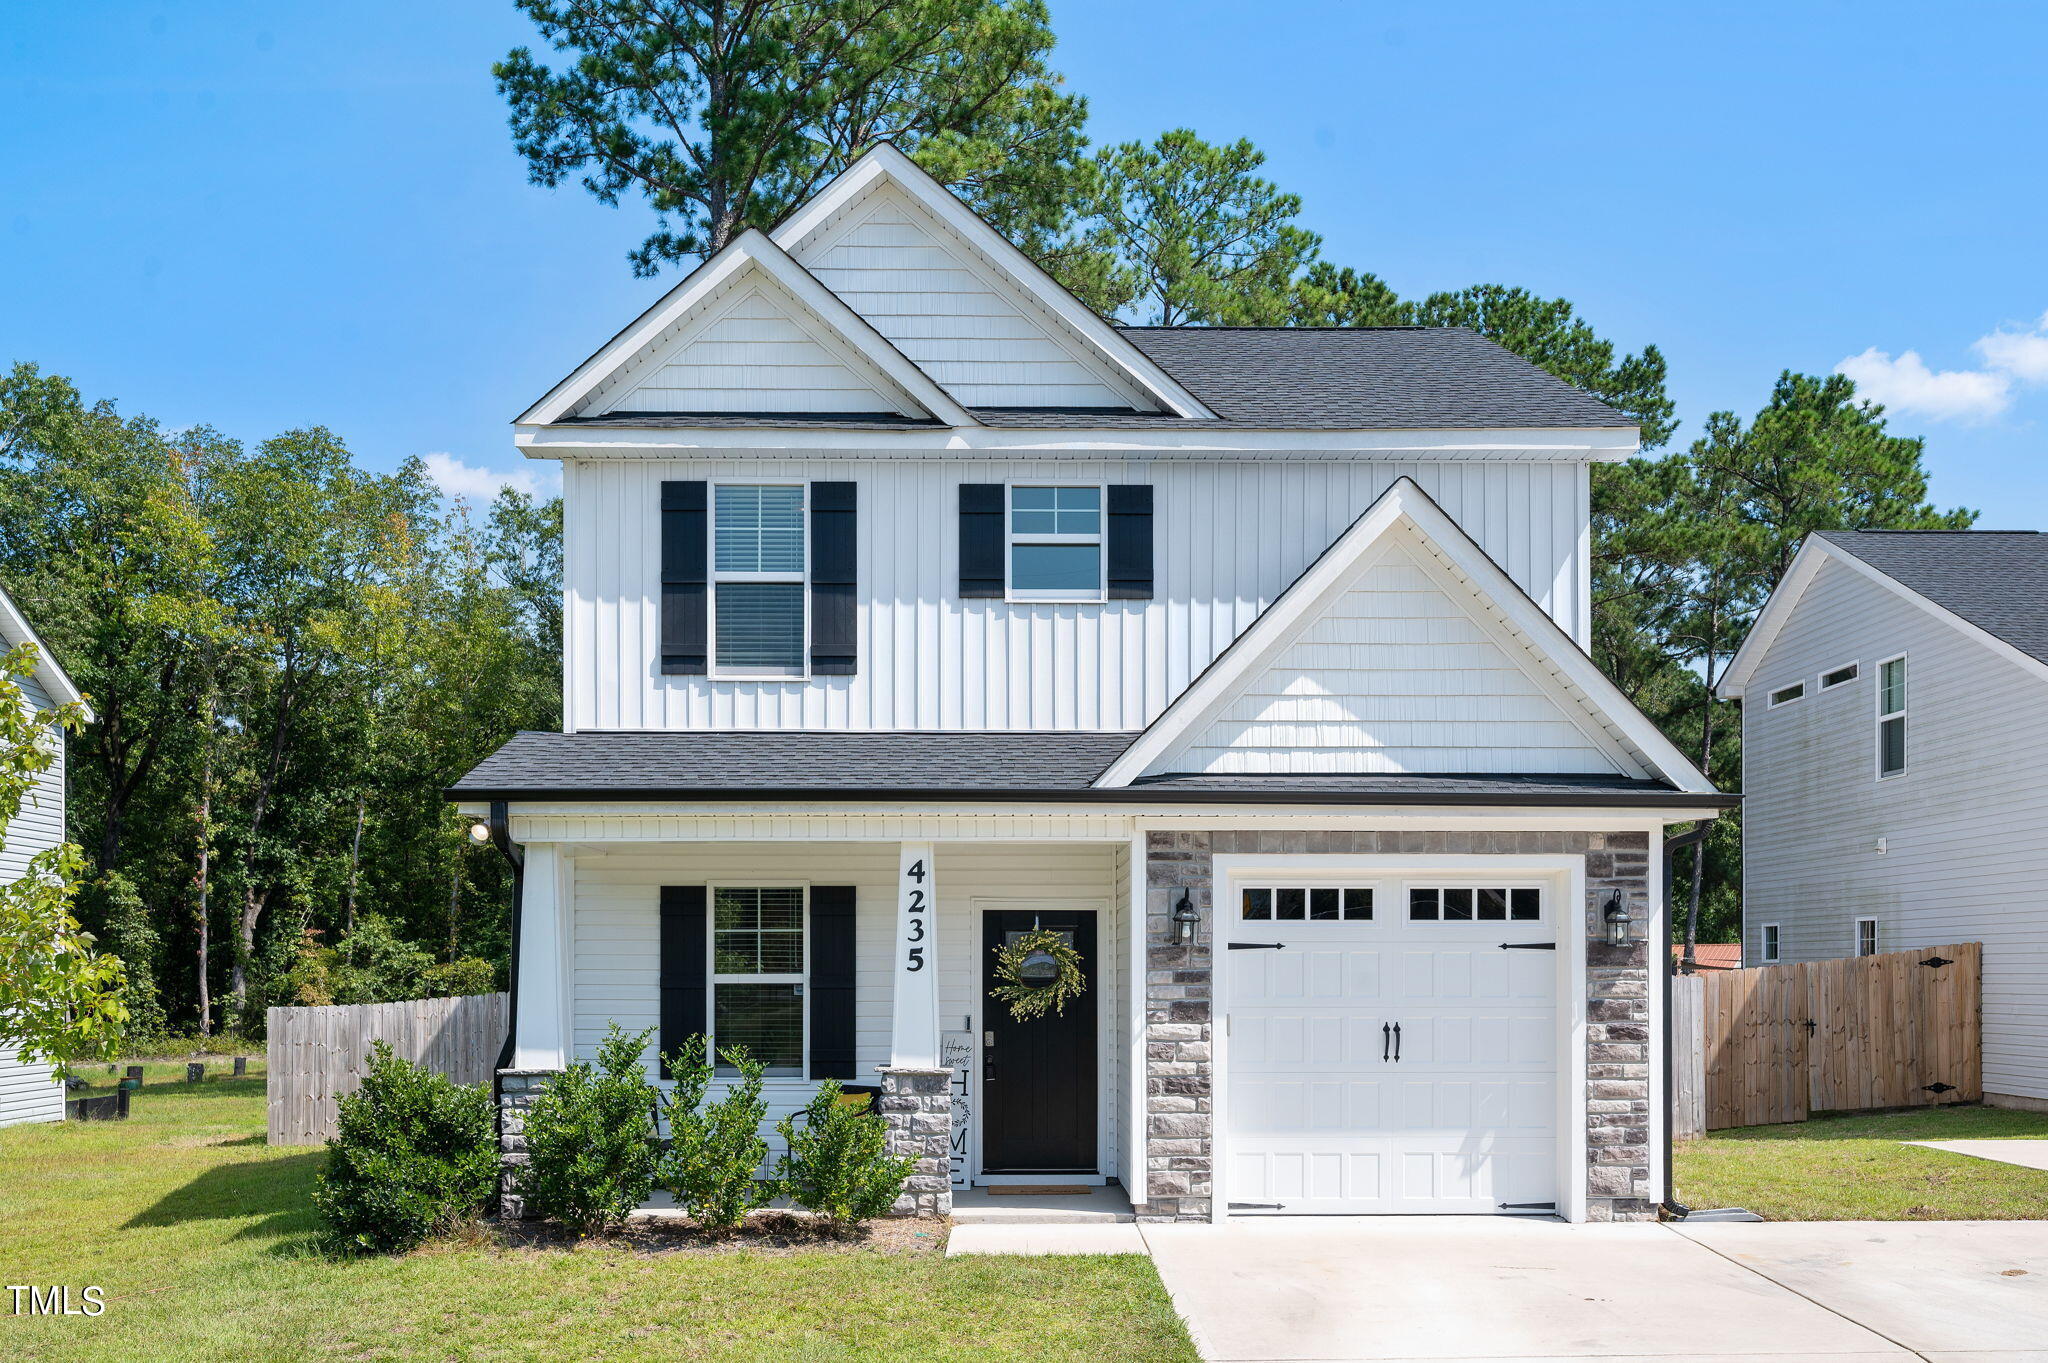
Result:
[[1037, 973]]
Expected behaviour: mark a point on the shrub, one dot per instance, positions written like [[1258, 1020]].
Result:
[[453, 979], [835, 1165], [590, 1139], [712, 1163], [414, 1155]]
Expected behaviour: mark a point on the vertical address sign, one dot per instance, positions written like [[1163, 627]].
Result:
[[916, 1043]]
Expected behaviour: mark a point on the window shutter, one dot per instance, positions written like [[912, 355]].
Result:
[[1130, 542], [831, 982], [684, 979], [982, 540], [685, 560], [835, 645]]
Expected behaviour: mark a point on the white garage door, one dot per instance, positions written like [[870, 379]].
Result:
[[1386, 1052]]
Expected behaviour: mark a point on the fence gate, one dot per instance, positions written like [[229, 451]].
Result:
[[1778, 1042]]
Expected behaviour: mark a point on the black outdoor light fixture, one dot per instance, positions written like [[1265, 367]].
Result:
[[1185, 917], [1620, 931]]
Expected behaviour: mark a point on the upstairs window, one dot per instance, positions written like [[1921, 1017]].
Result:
[[1784, 695], [1891, 717], [1841, 676], [1866, 937], [757, 580], [1055, 543], [1770, 942]]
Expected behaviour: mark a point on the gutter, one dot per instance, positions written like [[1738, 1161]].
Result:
[[1139, 794], [1672, 1209]]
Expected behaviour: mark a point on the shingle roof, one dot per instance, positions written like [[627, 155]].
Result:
[[1016, 764], [1995, 579]]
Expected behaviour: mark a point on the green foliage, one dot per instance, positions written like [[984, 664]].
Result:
[[724, 117], [414, 1155], [452, 979], [712, 1162], [590, 1138], [373, 964], [1027, 1000], [113, 911], [836, 1163]]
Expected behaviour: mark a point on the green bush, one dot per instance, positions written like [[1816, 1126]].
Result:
[[590, 1139], [415, 1154], [452, 979], [712, 1162], [835, 1165]]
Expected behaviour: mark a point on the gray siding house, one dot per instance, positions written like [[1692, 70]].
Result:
[[1895, 733]]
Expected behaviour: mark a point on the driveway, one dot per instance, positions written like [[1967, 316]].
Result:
[[1496, 1290]]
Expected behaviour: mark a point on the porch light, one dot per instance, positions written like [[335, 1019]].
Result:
[[1620, 931], [1185, 917], [479, 833]]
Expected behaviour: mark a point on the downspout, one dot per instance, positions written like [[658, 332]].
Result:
[[500, 824], [1672, 1208]]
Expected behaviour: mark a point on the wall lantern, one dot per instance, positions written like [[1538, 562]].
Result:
[[1620, 931], [479, 833], [1185, 918]]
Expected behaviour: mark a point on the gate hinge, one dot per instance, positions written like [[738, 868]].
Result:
[[1937, 962], [1938, 1088]]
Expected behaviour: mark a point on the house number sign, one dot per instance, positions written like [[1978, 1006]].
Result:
[[916, 906], [916, 1012]]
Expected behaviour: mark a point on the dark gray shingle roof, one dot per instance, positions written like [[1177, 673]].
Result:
[[1995, 579], [1017, 764]]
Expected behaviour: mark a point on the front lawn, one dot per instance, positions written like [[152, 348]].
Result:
[[201, 1237], [1854, 1168]]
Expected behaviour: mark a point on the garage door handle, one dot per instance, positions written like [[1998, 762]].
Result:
[[1386, 1042], [1257, 946], [1397, 1043]]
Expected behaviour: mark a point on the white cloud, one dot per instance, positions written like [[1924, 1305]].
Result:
[[1907, 385], [467, 482], [2022, 354]]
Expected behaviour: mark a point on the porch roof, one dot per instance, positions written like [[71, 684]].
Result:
[[1010, 765]]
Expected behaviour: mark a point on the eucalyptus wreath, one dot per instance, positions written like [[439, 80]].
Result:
[[1028, 1001]]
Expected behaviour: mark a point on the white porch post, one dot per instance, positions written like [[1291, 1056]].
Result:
[[542, 1027], [914, 1039]]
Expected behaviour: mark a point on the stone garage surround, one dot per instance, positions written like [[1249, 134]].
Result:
[[1179, 997]]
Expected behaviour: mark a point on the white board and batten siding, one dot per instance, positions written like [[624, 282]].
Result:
[[31, 1093], [615, 934], [1229, 537], [1965, 858]]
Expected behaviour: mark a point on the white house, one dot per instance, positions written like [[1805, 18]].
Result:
[[29, 1093], [911, 605], [1894, 729]]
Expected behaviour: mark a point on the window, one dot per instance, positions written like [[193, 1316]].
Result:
[[757, 974], [1891, 717], [1480, 904], [757, 575], [1866, 937], [1312, 903], [1770, 942], [1056, 543], [1785, 694], [1841, 676]]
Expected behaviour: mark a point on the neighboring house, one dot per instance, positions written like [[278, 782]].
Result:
[[910, 605], [29, 1093], [1894, 731], [1711, 955]]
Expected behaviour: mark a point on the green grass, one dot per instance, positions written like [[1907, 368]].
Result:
[[201, 1236], [1854, 1168]]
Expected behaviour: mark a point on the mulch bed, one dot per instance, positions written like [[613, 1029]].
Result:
[[770, 1232]]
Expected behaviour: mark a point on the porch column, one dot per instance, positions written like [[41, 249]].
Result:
[[541, 1026], [916, 1090]]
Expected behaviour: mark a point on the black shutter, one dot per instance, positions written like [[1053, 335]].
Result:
[[831, 982], [1130, 542], [685, 561], [835, 647], [981, 540], [684, 980]]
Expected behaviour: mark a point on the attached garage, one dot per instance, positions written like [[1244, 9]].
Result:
[[1393, 1040]]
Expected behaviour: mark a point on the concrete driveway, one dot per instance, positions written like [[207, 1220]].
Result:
[[1401, 1290]]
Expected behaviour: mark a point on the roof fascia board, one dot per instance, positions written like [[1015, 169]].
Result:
[[14, 625], [886, 162], [543, 441], [750, 248], [723, 801], [1405, 499]]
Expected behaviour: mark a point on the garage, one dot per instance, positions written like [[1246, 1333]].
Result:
[[1390, 1043]]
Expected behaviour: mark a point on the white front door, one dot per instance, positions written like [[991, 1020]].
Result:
[[1403, 1061]]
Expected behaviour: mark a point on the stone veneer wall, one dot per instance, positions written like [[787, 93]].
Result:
[[917, 1106], [517, 1090], [1178, 988]]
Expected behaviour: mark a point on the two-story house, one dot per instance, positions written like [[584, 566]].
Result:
[[1894, 729], [912, 607]]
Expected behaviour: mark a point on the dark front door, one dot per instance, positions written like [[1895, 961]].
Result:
[[1038, 1077]]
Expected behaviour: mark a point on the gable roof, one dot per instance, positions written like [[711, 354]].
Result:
[[1990, 584], [1596, 705], [14, 630]]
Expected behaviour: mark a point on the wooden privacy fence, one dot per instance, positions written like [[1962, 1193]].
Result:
[[1778, 1042], [319, 1055]]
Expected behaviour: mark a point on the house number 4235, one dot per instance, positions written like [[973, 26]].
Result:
[[914, 905]]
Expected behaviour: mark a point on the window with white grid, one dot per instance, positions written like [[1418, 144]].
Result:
[[757, 973]]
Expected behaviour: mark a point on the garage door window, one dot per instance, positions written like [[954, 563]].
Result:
[[1474, 904], [1308, 903]]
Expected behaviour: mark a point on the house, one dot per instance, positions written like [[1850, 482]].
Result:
[[1710, 955], [1894, 728], [31, 1092], [912, 607]]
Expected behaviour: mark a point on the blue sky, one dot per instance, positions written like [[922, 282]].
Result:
[[260, 215]]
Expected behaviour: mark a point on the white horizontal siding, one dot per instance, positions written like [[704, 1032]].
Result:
[[1229, 538], [1398, 673], [28, 1093], [1966, 857], [954, 316]]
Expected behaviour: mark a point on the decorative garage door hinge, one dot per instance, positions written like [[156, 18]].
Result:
[[1257, 946], [1256, 1206], [1528, 1206], [1528, 946]]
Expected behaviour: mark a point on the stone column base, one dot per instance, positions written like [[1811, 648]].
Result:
[[517, 1090], [917, 1105]]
